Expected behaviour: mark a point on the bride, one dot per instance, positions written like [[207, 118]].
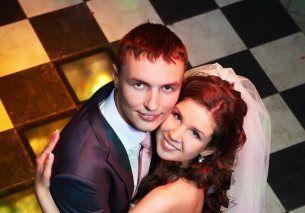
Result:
[[213, 150]]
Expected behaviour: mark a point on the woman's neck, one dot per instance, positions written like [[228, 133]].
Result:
[[161, 167]]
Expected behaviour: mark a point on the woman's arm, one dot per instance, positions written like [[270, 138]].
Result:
[[43, 173]]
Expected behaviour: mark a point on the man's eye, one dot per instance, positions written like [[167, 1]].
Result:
[[138, 85], [168, 88]]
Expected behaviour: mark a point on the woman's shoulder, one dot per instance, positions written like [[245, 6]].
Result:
[[178, 196], [181, 185], [184, 191]]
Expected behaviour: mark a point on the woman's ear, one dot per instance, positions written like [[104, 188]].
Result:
[[115, 75], [207, 151]]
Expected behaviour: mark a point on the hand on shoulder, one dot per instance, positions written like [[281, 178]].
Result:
[[44, 164]]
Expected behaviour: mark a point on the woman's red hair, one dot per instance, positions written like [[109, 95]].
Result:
[[213, 176]]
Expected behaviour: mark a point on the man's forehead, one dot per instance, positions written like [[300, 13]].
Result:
[[130, 56], [156, 81]]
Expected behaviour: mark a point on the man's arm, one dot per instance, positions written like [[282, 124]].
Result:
[[72, 194]]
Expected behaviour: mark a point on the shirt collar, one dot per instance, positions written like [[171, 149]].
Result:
[[128, 135]]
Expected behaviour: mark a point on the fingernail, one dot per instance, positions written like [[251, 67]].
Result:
[[50, 156]]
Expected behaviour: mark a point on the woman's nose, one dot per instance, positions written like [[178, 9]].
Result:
[[176, 134]]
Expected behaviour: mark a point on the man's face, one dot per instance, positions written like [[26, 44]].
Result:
[[147, 91]]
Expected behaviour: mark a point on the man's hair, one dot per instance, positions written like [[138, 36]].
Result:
[[153, 41]]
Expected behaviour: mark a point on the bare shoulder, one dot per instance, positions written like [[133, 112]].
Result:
[[186, 193], [179, 196]]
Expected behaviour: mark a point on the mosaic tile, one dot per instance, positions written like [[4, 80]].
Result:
[[222, 3], [214, 38], [298, 210], [116, 18], [16, 167], [21, 202], [38, 7], [39, 136], [34, 95], [272, 203], [285, 3], [172, 11], [244, 64], [295, 99], [297, 6], [287, 175], [259, 21], [88, 74], [115, 45], [20, 52], [299, 19], [5, 121], [285, 128], [68, 32], [10, 11], [283, 60]]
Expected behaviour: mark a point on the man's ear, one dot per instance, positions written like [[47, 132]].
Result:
[[115, 75], [207, 151]]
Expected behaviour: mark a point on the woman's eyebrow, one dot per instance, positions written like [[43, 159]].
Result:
[[177, 109]]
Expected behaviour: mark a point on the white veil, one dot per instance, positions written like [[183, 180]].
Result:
[[248, 181]]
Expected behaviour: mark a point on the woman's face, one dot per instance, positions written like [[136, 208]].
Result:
[[185, 133]]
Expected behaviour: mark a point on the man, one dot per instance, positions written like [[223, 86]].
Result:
[[96, 167]]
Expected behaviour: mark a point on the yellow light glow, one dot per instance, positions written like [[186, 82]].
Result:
[[23, 202], [5, 121], [39, 136], [88, 74]]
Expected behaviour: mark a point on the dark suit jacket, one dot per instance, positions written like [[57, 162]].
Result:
[[91, 172]]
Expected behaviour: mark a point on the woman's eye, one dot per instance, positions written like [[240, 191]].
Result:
[[177, 116], [195, 134]]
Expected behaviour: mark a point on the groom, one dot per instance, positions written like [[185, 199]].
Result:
[[96, 166]]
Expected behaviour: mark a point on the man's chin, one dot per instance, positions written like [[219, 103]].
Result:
[[147, 127]]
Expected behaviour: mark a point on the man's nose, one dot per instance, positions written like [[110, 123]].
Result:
[[152, 100]]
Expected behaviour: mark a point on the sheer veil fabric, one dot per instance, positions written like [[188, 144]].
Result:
[[248, 181]]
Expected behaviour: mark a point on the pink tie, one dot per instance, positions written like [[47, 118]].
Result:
[[144, 157]]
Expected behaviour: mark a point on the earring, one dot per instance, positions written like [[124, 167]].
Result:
[[201, 159]]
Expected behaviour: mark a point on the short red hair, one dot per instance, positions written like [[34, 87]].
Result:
[[154, 41]]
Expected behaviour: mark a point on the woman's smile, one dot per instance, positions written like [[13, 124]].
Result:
[[167, 145]]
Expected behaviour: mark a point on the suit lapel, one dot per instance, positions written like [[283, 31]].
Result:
[[117, 157]]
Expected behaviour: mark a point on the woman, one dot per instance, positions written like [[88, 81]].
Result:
[[197, 144]]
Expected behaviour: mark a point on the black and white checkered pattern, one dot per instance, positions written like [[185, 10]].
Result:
[[259, 39]]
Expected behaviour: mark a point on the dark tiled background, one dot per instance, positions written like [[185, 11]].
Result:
[[55, 54]]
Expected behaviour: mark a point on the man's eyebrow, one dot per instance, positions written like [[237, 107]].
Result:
[[136, 80], [175, 84]]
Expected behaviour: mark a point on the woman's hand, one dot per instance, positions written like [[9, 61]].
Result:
[[44, 164]]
